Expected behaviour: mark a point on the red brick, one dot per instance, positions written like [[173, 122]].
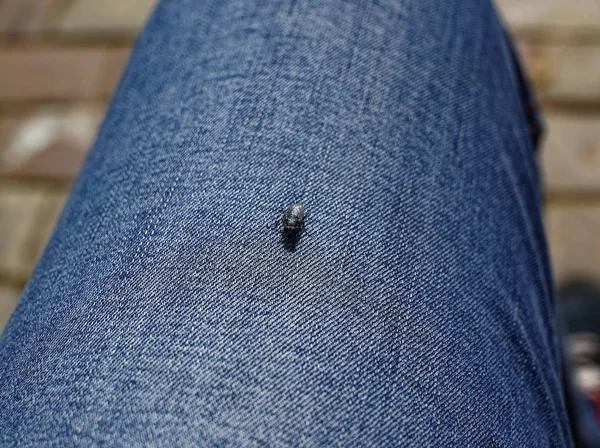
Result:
[[18, 207], [551, 14], [9, 297], [106, 16], [574, 237], [563, 73], [51, 143], [47, 213], [24, 16], [111, 71], [27, 218], [60, 73], [571, 153]]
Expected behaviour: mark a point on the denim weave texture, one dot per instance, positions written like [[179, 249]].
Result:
[[416, 308]]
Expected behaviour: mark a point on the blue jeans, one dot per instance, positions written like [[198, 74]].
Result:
[[415, 307]]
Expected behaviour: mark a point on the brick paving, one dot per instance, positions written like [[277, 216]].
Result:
[[61, 59]]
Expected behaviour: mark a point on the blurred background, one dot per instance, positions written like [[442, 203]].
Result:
[[61, 59]]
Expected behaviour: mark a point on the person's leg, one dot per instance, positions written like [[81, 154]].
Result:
[[416, 309]]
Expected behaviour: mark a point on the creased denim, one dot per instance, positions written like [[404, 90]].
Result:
[[416, 309]]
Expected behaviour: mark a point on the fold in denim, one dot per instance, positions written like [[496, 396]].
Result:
[[414, 309]]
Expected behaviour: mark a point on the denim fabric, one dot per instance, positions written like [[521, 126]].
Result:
[[414, 310]]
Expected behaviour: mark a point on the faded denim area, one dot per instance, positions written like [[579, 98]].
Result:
[[416, 309]]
